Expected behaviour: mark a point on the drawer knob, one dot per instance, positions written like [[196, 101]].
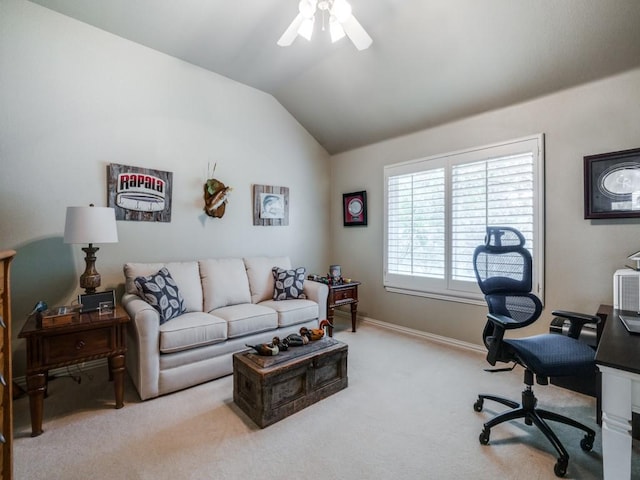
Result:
[[2, 324], [2, 380], [80, 345]]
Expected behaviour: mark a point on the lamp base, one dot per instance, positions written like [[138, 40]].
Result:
[[90, 279]]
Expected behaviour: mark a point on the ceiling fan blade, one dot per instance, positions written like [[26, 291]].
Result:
[[291, 32], [356, 33]]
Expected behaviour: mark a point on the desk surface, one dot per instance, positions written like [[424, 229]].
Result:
[[84, 321], [617, 347]]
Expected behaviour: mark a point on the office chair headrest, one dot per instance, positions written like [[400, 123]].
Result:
[[504, 239]]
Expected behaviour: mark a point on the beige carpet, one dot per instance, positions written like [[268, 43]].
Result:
[[407, 414]]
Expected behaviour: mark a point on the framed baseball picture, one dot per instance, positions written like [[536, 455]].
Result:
[[354, 209], [612, 185]]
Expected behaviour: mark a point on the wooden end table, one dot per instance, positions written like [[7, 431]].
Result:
[[91, 336], [339, 295]]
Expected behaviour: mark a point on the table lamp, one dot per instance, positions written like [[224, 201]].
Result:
[[90, 225]]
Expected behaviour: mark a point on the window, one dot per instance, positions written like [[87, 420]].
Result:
[[437, 209]]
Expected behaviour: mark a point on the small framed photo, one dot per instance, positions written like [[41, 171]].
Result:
[[354, 208], [335, 271], [612, 185], [105, 308], [270, 205]]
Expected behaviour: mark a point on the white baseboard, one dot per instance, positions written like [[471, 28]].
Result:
[[452, 342]]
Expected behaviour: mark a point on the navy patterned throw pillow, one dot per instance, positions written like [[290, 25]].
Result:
[[161, 292], [288, 283]]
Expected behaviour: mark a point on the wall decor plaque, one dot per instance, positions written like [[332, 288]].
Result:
[[139, 194], [270, 205], [612, 185], [354, 209]]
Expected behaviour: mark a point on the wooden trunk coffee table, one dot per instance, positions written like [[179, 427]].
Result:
[[269, 389]]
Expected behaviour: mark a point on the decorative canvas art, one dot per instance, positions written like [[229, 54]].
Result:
[[139, 194], [270, 205]]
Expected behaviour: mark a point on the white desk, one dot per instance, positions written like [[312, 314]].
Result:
[[618, 358], [620, 396]]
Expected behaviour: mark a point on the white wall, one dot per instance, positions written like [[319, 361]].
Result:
[[74, 99], [581, 255]]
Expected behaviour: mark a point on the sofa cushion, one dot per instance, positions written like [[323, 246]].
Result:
[[162, 293], [191, 330], [288, 284], [247, 318], [293, 312], [260, 277], [224, 282], [185, 274]]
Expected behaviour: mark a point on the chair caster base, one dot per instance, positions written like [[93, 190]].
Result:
[[560, 468], [484, 436]]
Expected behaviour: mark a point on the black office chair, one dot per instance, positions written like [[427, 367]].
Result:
[[503, 268]]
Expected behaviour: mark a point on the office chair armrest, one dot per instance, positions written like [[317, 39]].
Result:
[[503, 321], [577, 320]]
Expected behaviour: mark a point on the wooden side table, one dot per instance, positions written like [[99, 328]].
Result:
[[339, 295], [90, 337]]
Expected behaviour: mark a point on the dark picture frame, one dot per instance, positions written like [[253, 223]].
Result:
[[612, 185], [354, 209]]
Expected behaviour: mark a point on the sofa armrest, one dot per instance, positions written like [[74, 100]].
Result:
[[318, 292], [143, 356]]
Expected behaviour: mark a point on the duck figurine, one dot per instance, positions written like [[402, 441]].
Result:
[[265, 349], [312, 334], [325, 323], [295, 340], [283, 345]]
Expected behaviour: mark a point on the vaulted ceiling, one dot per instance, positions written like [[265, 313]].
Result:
[[431, 62]]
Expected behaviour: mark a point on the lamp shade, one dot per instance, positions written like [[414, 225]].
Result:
[[90, 225]]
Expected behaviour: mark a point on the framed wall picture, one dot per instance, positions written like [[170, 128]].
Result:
[[354, 208], [612, 185], [270, 205], [139, 194]]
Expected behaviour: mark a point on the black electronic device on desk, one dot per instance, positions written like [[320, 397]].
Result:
[[630, 322], [92, 301]]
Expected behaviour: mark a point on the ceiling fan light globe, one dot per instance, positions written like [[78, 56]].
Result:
[[341, 9]]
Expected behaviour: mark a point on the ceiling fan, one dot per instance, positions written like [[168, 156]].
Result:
[[341, 22]]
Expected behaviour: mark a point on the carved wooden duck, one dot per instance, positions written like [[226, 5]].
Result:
[[295, 340], [312, 334], [283, 345], [325, 323], [266, 349]]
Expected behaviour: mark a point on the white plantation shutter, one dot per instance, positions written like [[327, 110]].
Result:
[[437, 210], [416, 223]]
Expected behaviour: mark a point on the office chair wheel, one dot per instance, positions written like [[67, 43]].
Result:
[[587, 443], [484, 436], [560, 468], [478, 406]]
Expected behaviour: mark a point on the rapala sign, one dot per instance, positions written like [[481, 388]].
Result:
[[139, 192]]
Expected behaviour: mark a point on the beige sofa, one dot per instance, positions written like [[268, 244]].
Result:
[[229, 303]]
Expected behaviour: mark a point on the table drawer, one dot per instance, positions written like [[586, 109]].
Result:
[[73, 346], [346, 294]]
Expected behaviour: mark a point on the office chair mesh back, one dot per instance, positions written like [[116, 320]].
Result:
[[503, 270]]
